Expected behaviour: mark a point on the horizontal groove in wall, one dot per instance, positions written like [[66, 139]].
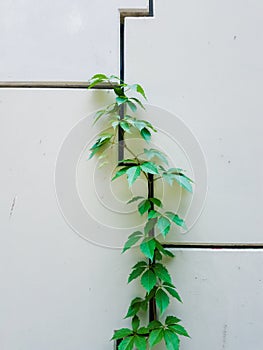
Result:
[[53, 85], [215, 246]]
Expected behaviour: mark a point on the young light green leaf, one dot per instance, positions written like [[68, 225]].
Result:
[[172, 341], [125, 126], [162, 272], [146, 135], [184, 182], [121, 172], [132, 106], [140, 342], [176, 219], [147, 248], [149, 167], [121, 100], [162, 300], [177, 328], [156, 336], [135, 323], [121, 333], [151, 153], [100, 76], [149, 225], [163, 225], [133, 173], [144, 206], [132, 239], [140, 90], [127, 343], [148, 280]]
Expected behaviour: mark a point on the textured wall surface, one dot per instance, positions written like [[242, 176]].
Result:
[[200, 61]]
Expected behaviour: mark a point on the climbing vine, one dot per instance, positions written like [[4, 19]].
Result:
[[153, 165]]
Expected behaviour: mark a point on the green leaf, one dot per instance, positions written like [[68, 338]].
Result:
[[121, 333], [134, 307], [132, 106], [140, 90], [177, 328], [125, 126], [149, 167], [127, 344], [162, 272], [101, 141], [132, 239], [134, 199], [155, 324], [146, 135], [121, 100], [151, 153], [155, 337], [94, 82], [148, 280], [140, 264], [153, 214], [143, 330], [135, 323], [163, 251], [162, 300], [133, 173], [138, 102], [184, 182], [98, 115], [176, 219], [140, 342], [147, 248], [156, 201], [173, 293], [121, 172], [163, 225], [170, 320], [144, 206], [100, 76], [136, 273], [171, 340], [149, 225]]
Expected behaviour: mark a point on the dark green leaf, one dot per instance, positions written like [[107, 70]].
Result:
[[121, 333], [118, 91], [155, 337], [162, 300], [171, 340], [144, 206], [149, 167], [153, 214], [121, 172], [135, 323], [148, 280], [162, 272], [146, 135], [171, 320], [176, 219], [155, 325], [173, 293], [163, 225], [143, 330], [127, 344], [140, 264], [136, 273], [156, 201], [132, 239], [133, 173], [134, 307], [177, 328], [138, 101], [147, 247], [140, 342], [163, 251]]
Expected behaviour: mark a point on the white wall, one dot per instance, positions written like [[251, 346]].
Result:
[[200, 61]]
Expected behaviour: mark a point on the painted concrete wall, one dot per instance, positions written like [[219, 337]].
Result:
[[60, 291]]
